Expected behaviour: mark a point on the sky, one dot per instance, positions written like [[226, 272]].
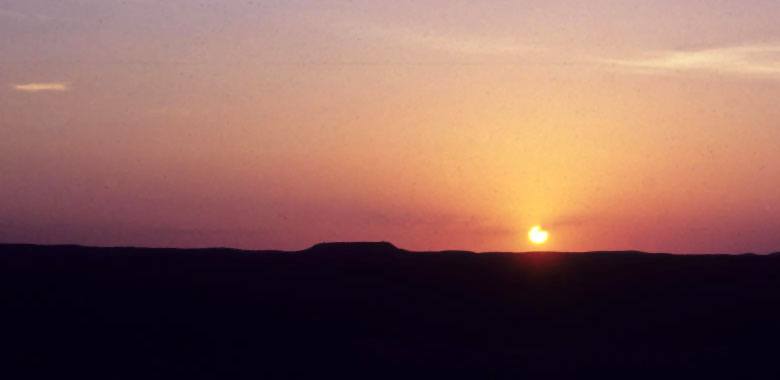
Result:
[[647, 125]]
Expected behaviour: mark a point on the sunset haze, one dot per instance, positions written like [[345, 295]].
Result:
[[647, 125]]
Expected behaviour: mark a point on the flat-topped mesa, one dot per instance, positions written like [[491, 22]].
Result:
[[354, 248]]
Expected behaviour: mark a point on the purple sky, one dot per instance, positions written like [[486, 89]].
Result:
[[650, 125]]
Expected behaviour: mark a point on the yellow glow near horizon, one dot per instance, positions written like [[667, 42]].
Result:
[[537, 235]]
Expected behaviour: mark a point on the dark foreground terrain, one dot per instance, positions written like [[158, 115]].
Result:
[[370, 310]]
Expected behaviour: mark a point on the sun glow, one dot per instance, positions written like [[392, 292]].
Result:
[[537, 235]]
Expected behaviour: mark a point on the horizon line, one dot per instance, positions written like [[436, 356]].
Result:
[[356, 243]]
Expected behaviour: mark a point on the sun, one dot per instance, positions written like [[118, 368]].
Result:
[[537, 235]]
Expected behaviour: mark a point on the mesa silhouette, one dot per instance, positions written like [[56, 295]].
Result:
[[373, 310]]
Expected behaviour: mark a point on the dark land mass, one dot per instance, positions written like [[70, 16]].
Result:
[[370, 310]]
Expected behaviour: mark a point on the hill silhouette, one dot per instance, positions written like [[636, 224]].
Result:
[[373, 310], [355, 249]]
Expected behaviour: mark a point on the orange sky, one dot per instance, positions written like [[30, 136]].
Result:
[[649, 125]]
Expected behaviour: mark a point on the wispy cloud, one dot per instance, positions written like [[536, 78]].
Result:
[[760, 59], [35, 87], [429, 39], [455, 44], [19, 16]]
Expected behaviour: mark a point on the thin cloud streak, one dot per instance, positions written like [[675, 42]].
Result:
[[19, 16], [438, 41], [36, 87], [760, 60], [459, 45]]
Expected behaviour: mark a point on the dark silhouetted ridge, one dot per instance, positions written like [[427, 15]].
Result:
[[631, 252], [352, 249], [371, 310]]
